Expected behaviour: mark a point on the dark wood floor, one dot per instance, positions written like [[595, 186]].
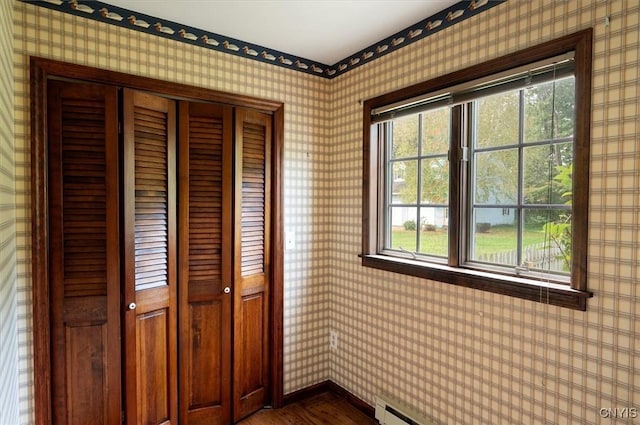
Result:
[[322, 409]]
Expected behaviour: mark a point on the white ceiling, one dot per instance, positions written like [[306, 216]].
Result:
[[325, 31]]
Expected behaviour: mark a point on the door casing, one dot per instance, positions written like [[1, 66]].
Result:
[[41, 70]]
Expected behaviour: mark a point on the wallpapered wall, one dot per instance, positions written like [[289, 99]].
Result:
[[41, 32], [8, 318], [464, 356], [456, 354]]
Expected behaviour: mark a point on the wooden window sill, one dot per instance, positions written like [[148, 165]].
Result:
[[529, 289]]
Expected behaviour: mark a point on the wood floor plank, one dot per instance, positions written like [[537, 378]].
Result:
[[322, 409]]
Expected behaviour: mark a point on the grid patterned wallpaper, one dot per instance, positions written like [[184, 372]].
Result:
[[8, 317], [464, 356], [51, 34], [456, 354]]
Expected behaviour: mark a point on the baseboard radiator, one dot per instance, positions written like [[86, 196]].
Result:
[[392, 412]]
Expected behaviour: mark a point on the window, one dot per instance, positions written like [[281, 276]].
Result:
[[480, 177]]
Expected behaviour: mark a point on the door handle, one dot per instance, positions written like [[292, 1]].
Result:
[[227, 290], [132, 306]]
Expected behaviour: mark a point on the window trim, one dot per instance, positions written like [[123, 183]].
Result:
[[573, 295]]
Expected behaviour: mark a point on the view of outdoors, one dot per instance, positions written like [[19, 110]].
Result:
[[419, 149], [521, 165]]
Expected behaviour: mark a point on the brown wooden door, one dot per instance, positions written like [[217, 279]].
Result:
[[105, 236], [149, 271], [252, 261], [84, 284], [205, 263]]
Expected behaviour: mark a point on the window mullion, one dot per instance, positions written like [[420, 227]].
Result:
[[419, 185], [457, 187], [469, 119], [520, 194], [388, 175]]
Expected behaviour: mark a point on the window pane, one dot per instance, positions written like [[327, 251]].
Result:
[[435, 131], [495, 236], [548, 174], [405, 137], [514, 142], [435, 181], [434, 236], [496, 179], [546, 242], [404, 189], [539, 104], [403, 228], [497, 120]]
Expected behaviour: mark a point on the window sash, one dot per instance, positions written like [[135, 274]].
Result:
[[421, 155], [465, 257]]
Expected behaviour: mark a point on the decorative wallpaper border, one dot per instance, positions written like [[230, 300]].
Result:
[[431, 25], [104, 12]]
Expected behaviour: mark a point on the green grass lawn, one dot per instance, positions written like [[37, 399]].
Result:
[[497, 239]]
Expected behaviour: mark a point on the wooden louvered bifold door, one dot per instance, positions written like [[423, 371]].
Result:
[[84, 283], [149, 218], [205, 263], [252, 261]]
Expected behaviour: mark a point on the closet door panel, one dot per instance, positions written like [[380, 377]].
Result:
[[149, 259], [252, 261], [83, 249], [205, 263]]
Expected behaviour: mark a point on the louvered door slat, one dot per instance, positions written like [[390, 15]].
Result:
[[205, 198], [84, 157], [151, 202], [253, 198]]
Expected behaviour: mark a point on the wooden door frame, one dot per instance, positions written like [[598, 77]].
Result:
[[42, 69]]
